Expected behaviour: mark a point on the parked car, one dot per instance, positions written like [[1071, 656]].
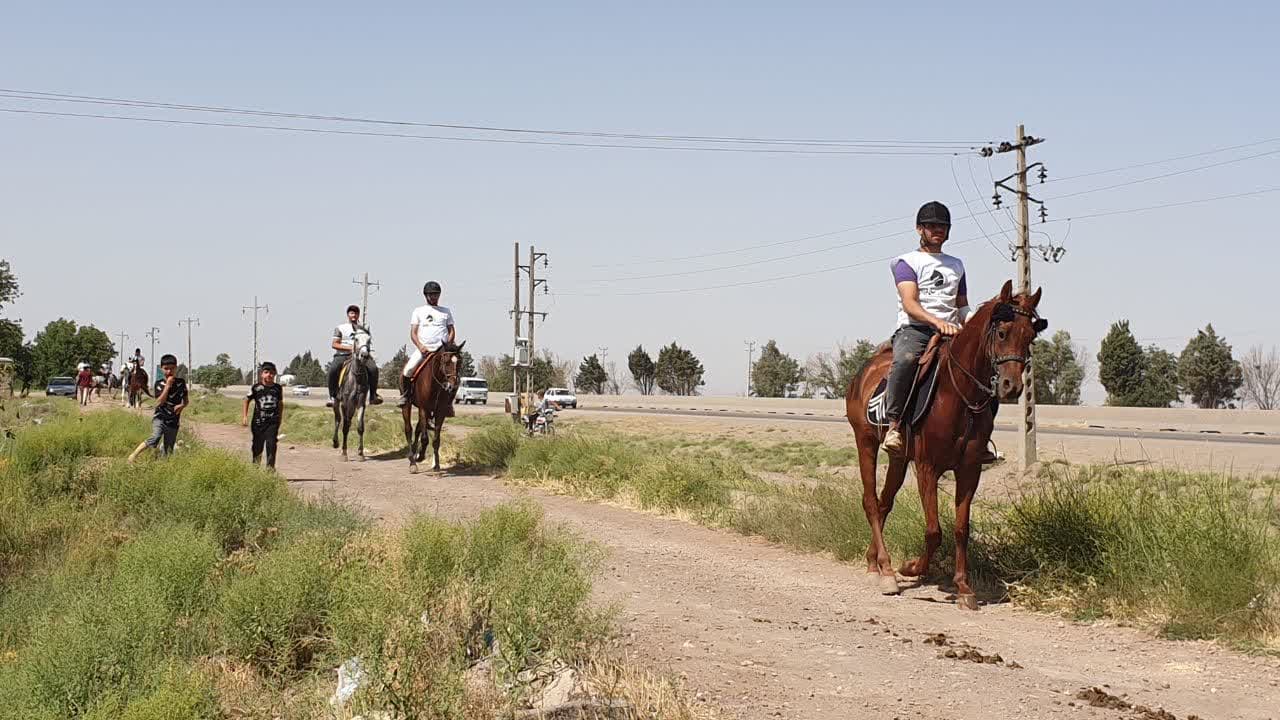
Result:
[[301, 390], [563, 397], [61, 386], [472, 390]]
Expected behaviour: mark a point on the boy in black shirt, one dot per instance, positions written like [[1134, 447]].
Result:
[[171, 400], [268, 413]]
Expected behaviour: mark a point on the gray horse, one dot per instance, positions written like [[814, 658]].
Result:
[[353, 394]]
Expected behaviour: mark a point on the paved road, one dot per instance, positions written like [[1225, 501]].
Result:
[[1203, 436]]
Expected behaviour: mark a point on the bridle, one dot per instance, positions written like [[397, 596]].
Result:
[[438, 375], [1002, 314]]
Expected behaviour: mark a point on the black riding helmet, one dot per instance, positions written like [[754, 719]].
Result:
[[933, 213], [353, 308], [431, 287]]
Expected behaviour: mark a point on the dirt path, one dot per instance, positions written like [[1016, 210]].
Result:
[[764, 632]]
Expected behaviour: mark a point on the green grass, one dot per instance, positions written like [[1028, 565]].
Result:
[[188, 586], [1188, 555]]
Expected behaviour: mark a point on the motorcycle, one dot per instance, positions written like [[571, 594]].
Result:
[[544, 423]]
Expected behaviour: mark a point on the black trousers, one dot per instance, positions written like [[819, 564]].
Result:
[[264, 438], [335, 368]]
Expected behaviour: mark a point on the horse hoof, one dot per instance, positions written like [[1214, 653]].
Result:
[[888, 585], [967, 602], [360, 458]]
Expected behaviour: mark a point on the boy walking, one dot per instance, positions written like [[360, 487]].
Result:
[[268, 412], [171, 400], [84, 384]]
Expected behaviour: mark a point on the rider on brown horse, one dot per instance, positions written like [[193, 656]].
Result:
[[430, 327], [933, 298]]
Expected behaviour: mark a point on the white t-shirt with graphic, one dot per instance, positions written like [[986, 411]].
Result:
[[433, 323], [346, 333], [940, 278]]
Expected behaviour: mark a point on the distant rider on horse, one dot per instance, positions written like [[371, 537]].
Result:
[[430, 327], [933, 298], [343, 345]]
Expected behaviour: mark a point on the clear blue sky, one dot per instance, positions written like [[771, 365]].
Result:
[[209, 217]]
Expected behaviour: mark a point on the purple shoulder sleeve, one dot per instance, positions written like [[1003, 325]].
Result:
[[964, 286], [902, 272]]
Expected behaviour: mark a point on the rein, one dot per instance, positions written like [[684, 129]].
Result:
[[1001, 314]]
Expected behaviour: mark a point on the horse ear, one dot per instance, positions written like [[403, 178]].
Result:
[[1035, 299], [1006, 292], [464, 344]]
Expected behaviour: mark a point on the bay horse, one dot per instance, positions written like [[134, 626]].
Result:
[[434, 386], [993, 347], [137, 384], [353, 395]]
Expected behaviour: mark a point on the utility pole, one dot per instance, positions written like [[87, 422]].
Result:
[[751, 351], [515, 333], [365, 284], [1027, 402], [604, 363], [255, 307], [123, 337], [534, 282], [152, 333], [189, 322]]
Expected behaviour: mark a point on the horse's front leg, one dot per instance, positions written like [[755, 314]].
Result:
[[337, 418], [927, 483], [346, 431], [966, 487], [435, 443], [360, 430]]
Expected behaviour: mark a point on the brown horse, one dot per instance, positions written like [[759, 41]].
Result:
[[993, 347], [434, 388], [137, 385]]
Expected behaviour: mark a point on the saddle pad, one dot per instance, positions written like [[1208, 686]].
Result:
[[917, 404]]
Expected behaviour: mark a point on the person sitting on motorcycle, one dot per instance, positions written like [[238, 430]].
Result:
[[540, 408], [343, 345]]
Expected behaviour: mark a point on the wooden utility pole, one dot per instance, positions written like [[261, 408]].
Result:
[[1027, 401], [365, 284], [255, 307], [152, 333], [189, 322], [515, 333], [751, 351]]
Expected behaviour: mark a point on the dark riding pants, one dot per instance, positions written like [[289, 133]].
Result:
[[264, 438], [335, 368], [909, 342]]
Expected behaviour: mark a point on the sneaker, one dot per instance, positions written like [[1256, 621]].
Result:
[[329, 403], [375, 400], [892, 441]]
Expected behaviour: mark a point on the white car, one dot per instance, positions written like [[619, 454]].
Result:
[[472, 390], [301, 391], [563, 397]]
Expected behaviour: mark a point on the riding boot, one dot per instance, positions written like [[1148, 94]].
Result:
[[406, 391], [892, 443]]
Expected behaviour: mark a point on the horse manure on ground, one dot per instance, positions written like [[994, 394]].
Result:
[[1099, 698], [953, 650]]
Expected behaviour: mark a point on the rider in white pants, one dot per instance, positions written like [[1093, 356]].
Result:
[[430, 327]]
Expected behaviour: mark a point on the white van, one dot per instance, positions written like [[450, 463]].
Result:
[[472, 390]]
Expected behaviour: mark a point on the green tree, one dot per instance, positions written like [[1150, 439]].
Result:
[[1121, 365], [218, 375], [8, 285], [1159, 386], [832, 372], [591, 376], [10, 339], [389, 373], [775, 373], [643, 370], [1207, 371], [61, 345], [1059, 370], [496, 372], [678, 371], [306, 370], [547, 372], [466, 365]]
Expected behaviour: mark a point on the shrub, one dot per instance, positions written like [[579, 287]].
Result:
[[492, 446]]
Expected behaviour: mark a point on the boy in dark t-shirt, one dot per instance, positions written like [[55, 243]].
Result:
[[268, 412], [171, 400]]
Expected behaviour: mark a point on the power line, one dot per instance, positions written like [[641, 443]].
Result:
[[127, 102], [1165, 175], [1162, 206], [964, 197], [1163, 161], [450, 138]]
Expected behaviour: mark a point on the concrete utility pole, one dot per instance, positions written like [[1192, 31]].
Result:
[[189, 322], [534, 282], [152, 333], [255, 307], [123, 337], [751, 351], [1027, 402], [365, 284], [515, 333]]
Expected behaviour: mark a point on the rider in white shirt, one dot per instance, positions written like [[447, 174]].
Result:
[[343, 345], [430, 327]]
